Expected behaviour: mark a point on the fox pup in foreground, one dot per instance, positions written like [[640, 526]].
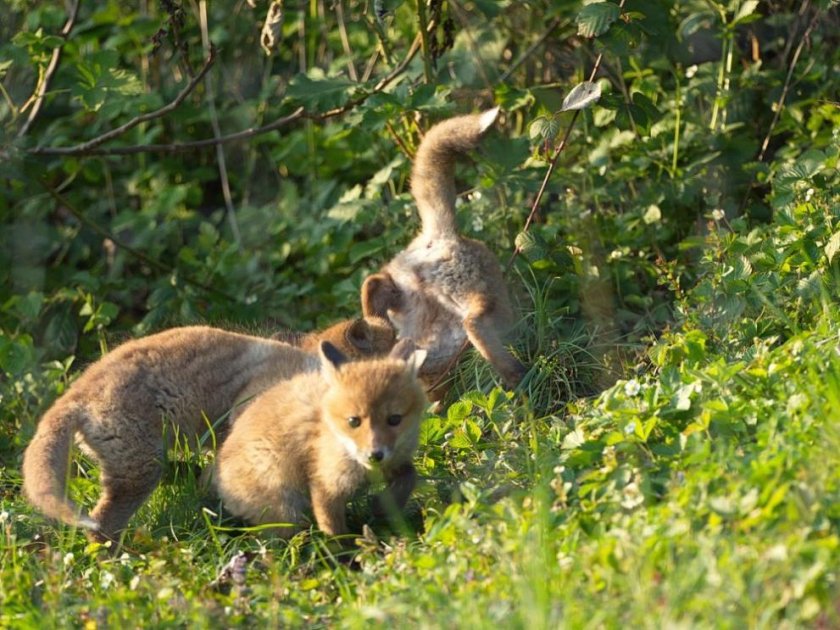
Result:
[[119, 407], [313, 440], [444, 288]]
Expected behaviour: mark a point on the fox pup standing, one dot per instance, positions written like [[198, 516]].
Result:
[[312, 441], [444, 288], [118, 409]]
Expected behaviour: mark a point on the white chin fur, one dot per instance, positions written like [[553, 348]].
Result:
[[487, 119]]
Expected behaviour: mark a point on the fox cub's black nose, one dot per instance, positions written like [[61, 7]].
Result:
[[377, 456]]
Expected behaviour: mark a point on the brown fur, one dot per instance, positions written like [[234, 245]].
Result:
[[293, 448], [444, 289], [121, 407]]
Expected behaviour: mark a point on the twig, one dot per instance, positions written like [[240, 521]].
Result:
[[780, 103], [44, 82], [178, 147], [805, 35], [87, 147], [531, 49], [134, 252], [210, 96]]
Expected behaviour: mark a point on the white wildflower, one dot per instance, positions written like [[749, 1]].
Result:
[[691, 71], [632, 387], [808, 194], [630, 429], [718, 214], [477, 223], [68, 558]]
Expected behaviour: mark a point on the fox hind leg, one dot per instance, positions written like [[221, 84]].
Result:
[[483, 325]]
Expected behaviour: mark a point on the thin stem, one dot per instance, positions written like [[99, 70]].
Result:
[[44, 79], [678, 112], [345, 40], [210, 97], [422, 19]]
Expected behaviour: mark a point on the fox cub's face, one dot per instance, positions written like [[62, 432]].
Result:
[[373, 407]]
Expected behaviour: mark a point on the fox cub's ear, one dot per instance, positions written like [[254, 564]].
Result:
[[331, 358], [359, 335], [406, 350]]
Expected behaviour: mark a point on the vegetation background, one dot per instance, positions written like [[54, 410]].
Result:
[[673, 458]]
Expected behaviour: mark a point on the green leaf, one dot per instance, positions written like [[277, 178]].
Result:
[[595, 19], [316, 92], [582, 96]]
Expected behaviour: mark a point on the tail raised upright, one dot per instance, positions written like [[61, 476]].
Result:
[[45, 468], [433, 176]]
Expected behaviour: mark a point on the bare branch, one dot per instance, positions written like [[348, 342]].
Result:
[[89, 146], [179, 147], [44, 82]]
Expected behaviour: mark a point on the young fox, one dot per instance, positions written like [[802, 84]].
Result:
[[179, 379], [444, 288], [313, 440]]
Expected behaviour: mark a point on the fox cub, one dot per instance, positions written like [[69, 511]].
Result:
[[444, 288], [312, 441], [122, 406]]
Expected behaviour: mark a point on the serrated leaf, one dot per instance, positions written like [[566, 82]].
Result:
[[317, 92], [595, 19], [581, 96], [544, 128]]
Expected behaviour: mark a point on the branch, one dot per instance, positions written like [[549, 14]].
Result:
[[41, 89], [59, 198], [89, 146]]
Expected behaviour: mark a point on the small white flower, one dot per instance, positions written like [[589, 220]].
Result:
[[718, 214], [630, 429], [631, 496], [477, 223], [690, 71], [106, 578], [615, 255], [632, 387], [68, 558], [4, 516], [808, 194]]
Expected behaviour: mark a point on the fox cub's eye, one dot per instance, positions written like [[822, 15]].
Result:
[[354, 422], [394, 419]]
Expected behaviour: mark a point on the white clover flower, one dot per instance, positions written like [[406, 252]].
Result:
[[632, 387], [718, 214], [68, 558]]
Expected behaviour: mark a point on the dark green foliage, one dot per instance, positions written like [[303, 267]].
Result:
[[670, 459]]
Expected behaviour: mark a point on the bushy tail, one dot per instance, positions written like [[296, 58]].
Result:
[[45, 467], [433, 177]]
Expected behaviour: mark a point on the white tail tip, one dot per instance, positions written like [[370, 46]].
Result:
[[486, 119]]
